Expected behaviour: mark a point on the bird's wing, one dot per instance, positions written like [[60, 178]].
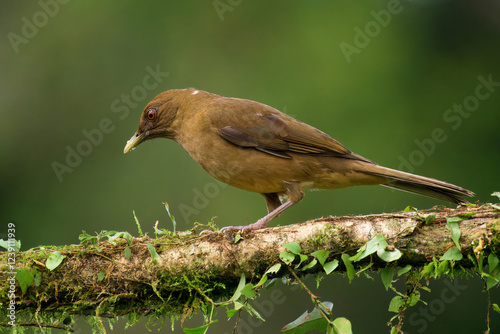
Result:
[[253, 125]]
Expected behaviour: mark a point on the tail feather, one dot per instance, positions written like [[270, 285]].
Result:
[[421, 185]]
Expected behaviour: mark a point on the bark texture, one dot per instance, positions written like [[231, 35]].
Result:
[[193, 267]]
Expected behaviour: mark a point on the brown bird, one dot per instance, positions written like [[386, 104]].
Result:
[[255, 147]]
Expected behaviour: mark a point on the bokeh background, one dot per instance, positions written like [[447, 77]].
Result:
[[378, 76]]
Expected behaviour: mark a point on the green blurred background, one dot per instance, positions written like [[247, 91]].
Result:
[[66, 67]]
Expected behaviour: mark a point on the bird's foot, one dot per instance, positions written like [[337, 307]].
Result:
[[258, 225]]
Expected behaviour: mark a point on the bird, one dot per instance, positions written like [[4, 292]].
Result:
[[254, 147]]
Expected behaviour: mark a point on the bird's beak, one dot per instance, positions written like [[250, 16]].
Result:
[[133, 142]]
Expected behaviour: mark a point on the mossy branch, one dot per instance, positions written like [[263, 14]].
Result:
[[194, 269]]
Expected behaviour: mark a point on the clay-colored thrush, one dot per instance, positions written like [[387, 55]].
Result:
[[252, 146]]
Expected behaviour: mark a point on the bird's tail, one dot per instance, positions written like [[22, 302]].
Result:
[[421, 185]]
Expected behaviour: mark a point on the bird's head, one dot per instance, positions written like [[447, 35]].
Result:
[[158, 117]]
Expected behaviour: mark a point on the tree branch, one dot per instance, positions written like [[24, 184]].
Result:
[[192, 268]]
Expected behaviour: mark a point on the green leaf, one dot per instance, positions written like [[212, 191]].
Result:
[[101, 275], [293, 247], [495, 308], [38, 279], [287, 257], [321, 255], [302, 259], [413, 298], [274, 269], [54, 260], [456, 219], [386, 274], [410, 208], [395, 304], [172, 218], [430, 218], [496, 193], [331, 266], [237, 238], [342, 326], [308, 322], [24, 278], [348, 266], [455, 230], [125, 235], [492, 262], [428, 270], [443, 268], [310, 264], [262, 280], [128, 253], [452, 254], [154, 254], [199, 330], [372, 246], [404, 270], [389, 256], [248, 291], [12, 246], [237, 292], [138, 224]]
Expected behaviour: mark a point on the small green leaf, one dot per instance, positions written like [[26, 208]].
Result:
[[262, 281], [430, 218], [386, 275], [10, 246], [455, 231], [128, 253], [495, 308], [274, 269], [54, 260], [248, 291], [237, 292], [25, 278], [342, 326], [302, 259], [321, 255], [308, 322], [428, 270], [237, 238], [138, 225], [101, 275], [293, 247], [231, 312], [331, 266], [404, 270], [349, 267], [372, 246], [199, 330], [389, 256], [395, 304], [496, 193], [38, 279], [154, 254], [410, 208], [125, 235], [287, 257], [492, 262], [452, 254], [413, 298], [310, 264], [443, 268]]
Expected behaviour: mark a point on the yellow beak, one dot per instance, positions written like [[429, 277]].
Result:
[[133, 142]]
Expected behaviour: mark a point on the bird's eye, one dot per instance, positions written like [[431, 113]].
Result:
[[151, 114]]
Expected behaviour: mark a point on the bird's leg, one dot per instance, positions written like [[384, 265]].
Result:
[[294, 195]]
